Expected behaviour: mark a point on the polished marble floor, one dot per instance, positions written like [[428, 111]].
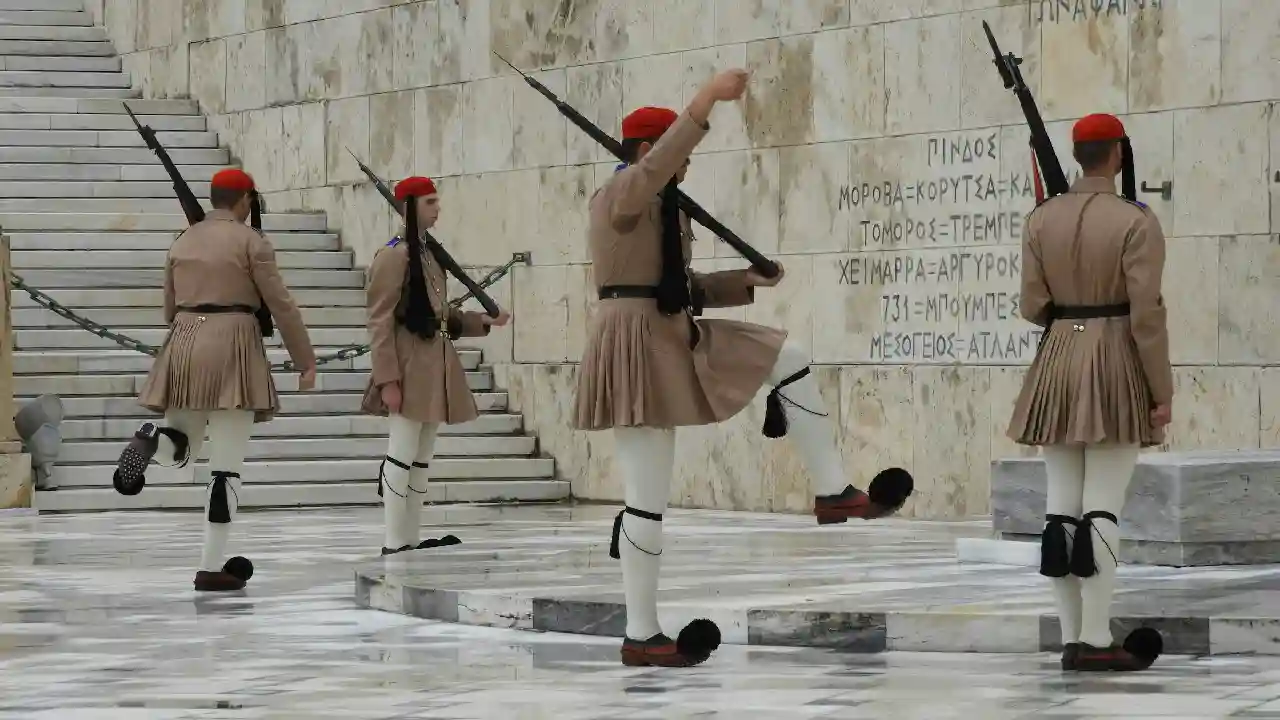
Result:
[[98, 622]]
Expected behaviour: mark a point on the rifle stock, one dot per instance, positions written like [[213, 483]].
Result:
[[437, 250], [1055, 180], [696, 213]]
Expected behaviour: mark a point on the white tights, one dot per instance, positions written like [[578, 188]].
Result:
[[646, 460], [412, 444], [1083, 479], [229, 432]]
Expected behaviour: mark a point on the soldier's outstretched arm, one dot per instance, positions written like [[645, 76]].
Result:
[[1143, 262], [386, 283], [266, 276], [1035, 298]]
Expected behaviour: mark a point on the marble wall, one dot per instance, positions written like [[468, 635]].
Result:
[[877, 155]]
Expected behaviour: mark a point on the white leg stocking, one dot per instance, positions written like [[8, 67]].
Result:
[[402, 448], [809, 427], [1108, 470], [418, 482], [228, 442], [646, 458], [1065, 468]]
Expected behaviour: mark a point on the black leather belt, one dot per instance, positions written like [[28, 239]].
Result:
[[615, 292], [218, 309], [1087, 312]]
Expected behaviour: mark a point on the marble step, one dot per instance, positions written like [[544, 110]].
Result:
[[454, 446], [79, 339], [128, 384], [100, 189], [61, 33], [106, 138], [296, 426], [153, 299], [61, 78], [68, 105], [93, 205], [66, 475], [67, 6], [36, 46], [36, 317], [45, 17], [24, 260], [112, 156], [69, 63], [133, 222], [70, 121], [155, 278], [263, 494], [69, 92], [307, 403], [101, 172], [49, 362]]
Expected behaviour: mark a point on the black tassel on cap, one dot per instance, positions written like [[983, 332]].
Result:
[[1128, 177], [219, 508], [1083, 562], [1055, 557], [419, 316], [266, 324], [673, 287]]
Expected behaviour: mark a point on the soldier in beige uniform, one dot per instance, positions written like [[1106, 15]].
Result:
[[213, 372], [1100, 387], [649, 367], [417, 380]]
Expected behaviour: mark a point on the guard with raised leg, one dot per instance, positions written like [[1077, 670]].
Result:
[[212, 373], [649, 366], [418, 381], [1100, 386]]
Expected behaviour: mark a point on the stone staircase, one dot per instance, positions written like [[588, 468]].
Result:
[[90, 213]]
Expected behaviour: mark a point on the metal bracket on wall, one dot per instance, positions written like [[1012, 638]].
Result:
[[1165, 189], [524, 257]]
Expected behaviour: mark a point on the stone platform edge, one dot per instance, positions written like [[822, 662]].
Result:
[[971, 630]]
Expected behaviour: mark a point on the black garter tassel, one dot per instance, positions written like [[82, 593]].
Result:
[[219, 509], [1083, 563], [1055, 557], [775, 416]]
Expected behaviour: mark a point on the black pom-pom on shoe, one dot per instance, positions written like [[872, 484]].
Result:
[[1145, 644], [890, 488], [239, 567], [698, 640]]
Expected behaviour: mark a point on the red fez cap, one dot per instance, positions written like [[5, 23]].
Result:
[[416, 186], [647, 123], [233, 179], [1097, 127]]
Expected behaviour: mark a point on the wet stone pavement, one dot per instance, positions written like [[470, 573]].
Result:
[[98, 621]]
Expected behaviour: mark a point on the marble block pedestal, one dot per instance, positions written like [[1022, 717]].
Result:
[[1184, 509], [17, 481]]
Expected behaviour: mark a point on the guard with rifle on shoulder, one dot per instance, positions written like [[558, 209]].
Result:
[[651, 365], [417, 381], [1101, 384]]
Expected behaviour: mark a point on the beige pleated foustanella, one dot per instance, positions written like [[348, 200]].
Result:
[[217, 273], [642, 368], [1094, 380]]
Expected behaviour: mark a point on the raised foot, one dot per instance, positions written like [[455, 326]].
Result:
[[886, 494], [131, 468]]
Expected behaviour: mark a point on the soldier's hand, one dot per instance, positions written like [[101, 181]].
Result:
[[728, 85], [503, 318], [758, 280], [1162, 415], [307, 380], [391, 397]]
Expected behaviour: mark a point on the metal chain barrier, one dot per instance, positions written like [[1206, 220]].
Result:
[[347, 353]]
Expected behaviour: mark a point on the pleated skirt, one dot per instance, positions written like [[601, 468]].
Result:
[[212, 362], [433, 383], [641, 368], [1085, 387]]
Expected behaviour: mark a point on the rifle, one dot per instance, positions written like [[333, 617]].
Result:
[[1042, 152], [191, 206], [696, 213], [438, 251]]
